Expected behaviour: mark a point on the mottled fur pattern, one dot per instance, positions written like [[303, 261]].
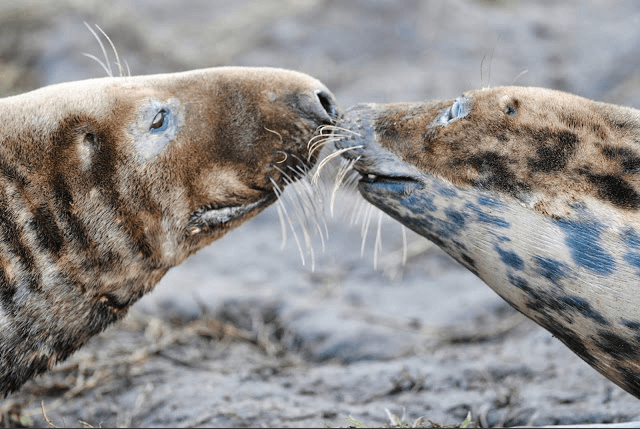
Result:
[[105, 184], [535, 191]]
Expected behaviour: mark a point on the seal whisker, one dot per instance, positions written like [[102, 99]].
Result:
[[274, 132], [345, 168], [128, 69], [361, 206], [321, 143], [519, 75], [316, 199], [377, 247], [313, 204], [337, 128], [115, 51], [329, 158], [301, 215], [93, 57], [107, 64], [283, 226], [365, 228], [285, 156], [278, 192]]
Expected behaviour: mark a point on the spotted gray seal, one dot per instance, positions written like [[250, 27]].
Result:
[[535, 191], [106, 184]]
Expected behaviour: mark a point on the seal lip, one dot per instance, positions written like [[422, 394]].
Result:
[[209, 218], [372, 182]]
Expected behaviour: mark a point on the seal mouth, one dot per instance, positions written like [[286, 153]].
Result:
[[375, 182], [216, 217]]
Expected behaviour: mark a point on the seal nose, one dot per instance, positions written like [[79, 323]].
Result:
[[322, 107]]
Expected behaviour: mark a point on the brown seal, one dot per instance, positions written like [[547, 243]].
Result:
[[105, 184], [535, 191]]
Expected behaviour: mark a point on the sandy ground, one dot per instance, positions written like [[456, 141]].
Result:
[[244, 333]]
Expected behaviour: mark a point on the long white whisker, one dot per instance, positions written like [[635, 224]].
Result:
[[377, 247], [283, 226], [107, 64], [330, 157], [316, 200], [311, 202], [321, 143], [365, 229], [337, 128], [93, 57], [115, 51], [284, 210], [301, 215], [358, 211], [342, 172]]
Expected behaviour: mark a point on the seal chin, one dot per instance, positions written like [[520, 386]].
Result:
[[217, 218]]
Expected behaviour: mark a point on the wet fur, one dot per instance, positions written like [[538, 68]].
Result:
[[96, 206], [535, 191]]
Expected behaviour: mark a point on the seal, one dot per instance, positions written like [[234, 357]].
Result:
[[535, 191], [106, 184]]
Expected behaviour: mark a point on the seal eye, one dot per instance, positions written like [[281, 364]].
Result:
[[160, 121], [510, 110], [455, 111]]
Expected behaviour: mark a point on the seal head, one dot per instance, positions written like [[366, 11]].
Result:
[[105, 184], [535, 191]]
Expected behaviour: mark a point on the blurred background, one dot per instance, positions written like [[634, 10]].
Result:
[[344, 338]]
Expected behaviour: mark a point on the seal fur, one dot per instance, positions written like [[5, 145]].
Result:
[[106, 184], [535, 191]]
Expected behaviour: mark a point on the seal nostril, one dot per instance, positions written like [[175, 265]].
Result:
[[327, 104]]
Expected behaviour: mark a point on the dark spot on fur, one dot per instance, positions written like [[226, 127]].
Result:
[[630, 380], [447, 192], [502, 137], [7, 292], [485, 200], [551, 269], [63, 201], [510, 258], [13, 238], [632, 324], [568, 337], [456, 217], [47, 230], [614, 189], [616, 346], [622, 123], [11, 174], [628, 159], [553, 150], [583, 241], [570, 120], [521, 284], [468, 260], [484, 217], [631, 238], [582, 306], [497, 175]]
